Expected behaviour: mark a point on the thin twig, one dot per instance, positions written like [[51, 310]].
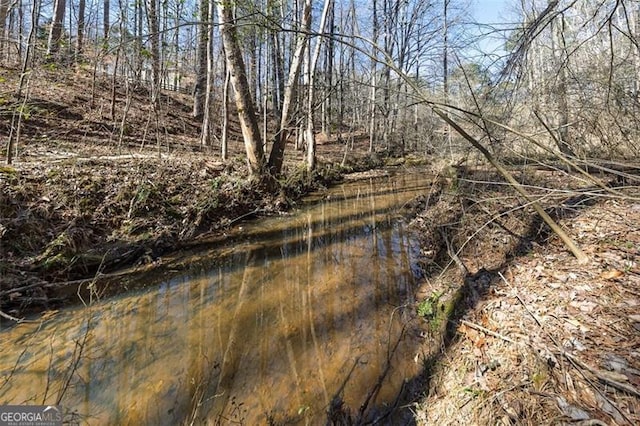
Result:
[[452, 253], [9, 317], [244, 215], [487, 331]]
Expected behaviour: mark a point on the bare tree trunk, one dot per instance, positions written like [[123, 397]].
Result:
[[207, 50], [310, 137], [55, 32], [277, 151], [445, 70], [225, 114], [202, 53], [152, 18], [635, 28], [386, 74], [561, 58], [252, 76], [327, 104], [16, 119], [153, 23], [105, 25], [374, 64], [278, 66], [244, 102], [138, 36], [81, 24], [4, 9]]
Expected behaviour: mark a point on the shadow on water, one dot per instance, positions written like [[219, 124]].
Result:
[[298, 313]]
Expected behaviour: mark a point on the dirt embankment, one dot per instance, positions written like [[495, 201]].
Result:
[[517, 331], [89, 193]]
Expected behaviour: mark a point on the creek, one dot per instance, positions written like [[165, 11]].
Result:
[[297, 315]]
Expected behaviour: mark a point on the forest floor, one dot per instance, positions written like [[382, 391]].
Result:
[[100, 183], [523, 334]]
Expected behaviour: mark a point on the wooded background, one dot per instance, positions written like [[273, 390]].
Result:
[[556, 78]]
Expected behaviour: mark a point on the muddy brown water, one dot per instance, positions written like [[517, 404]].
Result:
[[302, 312]]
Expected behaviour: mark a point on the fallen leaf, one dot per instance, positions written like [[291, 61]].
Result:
[[611, 274]]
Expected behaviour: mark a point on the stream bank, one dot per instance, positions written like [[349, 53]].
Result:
[[516, 332], [74, 219]]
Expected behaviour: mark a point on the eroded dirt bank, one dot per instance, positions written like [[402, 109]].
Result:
[[517, 332]]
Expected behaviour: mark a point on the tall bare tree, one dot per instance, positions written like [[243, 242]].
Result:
[[4, 9], [55, 32], [280, 139], [81, 24], [202, 50], [310, 136], [154, 37], [106, 24], [244, 101]]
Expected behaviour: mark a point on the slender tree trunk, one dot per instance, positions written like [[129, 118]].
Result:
[[561, 59], [253, 67], [244, 102], [55, 32], [154, 36], [106, 25], [327, 106], [138, 44], [80, 38], [16, 120], [635, 28], [445, 70], [310, 137], [278, 73], [207, 51], [177, 73], [202, 52], [374, 65], [386, 80], [277, 151], [4, 9], [225, 114], [279, 66], [152, 18]]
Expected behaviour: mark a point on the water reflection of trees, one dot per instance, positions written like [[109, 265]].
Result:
[[268, 332]]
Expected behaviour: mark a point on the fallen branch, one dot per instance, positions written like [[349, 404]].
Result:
[[9, 317], [569, 243], [603, 378]]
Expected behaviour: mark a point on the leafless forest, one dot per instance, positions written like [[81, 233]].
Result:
[[131, 129]]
